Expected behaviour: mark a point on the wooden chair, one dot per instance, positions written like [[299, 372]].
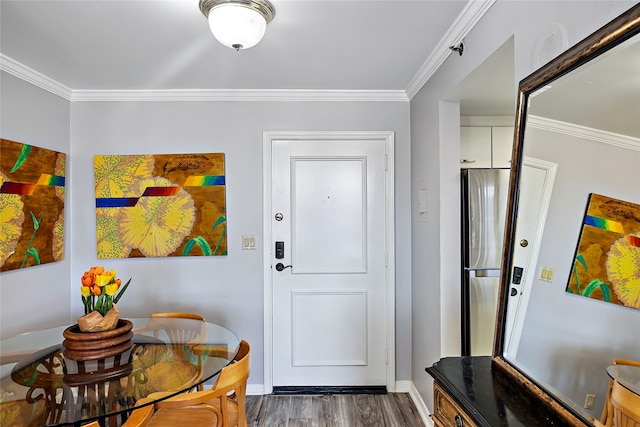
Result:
[[609, 411], [185, 409], [623, 408], [228, 393], [182, 336], [178, 314]]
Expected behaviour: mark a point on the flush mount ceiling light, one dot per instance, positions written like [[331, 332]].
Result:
[[238, 24]]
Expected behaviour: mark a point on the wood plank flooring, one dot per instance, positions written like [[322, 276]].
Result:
[[336, 410]]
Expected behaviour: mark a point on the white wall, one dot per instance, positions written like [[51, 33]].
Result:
[[226, 290], [435, 262], [36, 297]]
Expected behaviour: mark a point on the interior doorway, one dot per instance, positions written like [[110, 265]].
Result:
[[487, 101]]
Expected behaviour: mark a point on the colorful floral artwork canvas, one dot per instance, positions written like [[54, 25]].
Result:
[[32, 188], [159, 205], [607, 260]]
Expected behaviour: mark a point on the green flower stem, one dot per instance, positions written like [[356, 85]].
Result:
[[30, 250]]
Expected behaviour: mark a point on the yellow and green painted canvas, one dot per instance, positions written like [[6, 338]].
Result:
[[607, 261], [32, 184], [159, 205]]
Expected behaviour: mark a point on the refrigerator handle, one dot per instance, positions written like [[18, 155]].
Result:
[[483, 272]]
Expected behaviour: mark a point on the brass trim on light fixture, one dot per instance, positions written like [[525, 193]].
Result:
[[263, 7]]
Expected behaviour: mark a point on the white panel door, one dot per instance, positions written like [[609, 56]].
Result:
[[536, 185], [330, 302]]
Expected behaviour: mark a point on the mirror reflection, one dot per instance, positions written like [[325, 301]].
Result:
[[577, 306]]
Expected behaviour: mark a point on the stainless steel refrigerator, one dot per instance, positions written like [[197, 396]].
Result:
[[484, 204]]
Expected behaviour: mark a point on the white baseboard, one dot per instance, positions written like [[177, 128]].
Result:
[[255, 389], [401, 387], [420, 405]]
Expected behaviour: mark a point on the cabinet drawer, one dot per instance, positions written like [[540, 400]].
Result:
[[446, 412]]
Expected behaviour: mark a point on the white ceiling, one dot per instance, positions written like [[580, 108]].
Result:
[[381, 47]]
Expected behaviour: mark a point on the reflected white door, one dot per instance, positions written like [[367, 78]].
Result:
[[330, 307], [536, 185]]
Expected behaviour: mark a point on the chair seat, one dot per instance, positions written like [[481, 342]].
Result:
[[192, 416]]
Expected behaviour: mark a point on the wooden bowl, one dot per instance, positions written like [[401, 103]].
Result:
[[97, 345]]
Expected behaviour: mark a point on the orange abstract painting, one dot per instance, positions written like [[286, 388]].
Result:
[[159, 205], [607, 261], [32, 184]]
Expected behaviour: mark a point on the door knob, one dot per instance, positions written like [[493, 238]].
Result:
[[280, 266]]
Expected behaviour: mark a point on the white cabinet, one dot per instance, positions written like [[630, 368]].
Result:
[[501, 146], [475, 147], [485, 146]]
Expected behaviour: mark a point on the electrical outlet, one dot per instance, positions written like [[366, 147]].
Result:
[[589, 401]]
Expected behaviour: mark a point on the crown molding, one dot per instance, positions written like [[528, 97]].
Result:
[[30, 75], [239, 95], [464, 23], [592, 134]]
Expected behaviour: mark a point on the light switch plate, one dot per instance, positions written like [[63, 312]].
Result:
[[546, 274], [248, 242]]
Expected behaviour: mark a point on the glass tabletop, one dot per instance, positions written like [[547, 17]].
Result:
[[43, 383], [627, 375]]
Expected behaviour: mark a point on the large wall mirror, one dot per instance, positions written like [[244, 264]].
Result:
[[571, 271]]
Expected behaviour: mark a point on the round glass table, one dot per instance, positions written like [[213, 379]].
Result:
[[627, 375], [41, 386]]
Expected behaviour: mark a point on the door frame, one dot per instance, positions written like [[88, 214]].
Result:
[[301, 136]]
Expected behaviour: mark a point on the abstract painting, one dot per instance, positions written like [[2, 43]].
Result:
[[159, 205], [607, 259], [32, 184]]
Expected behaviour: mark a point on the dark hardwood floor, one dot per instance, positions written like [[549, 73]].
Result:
[[336, 410]]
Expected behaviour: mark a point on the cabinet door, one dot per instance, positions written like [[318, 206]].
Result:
[[475, 147], [501, 146]]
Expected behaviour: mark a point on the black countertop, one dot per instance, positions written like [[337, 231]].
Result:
[[489, 397]]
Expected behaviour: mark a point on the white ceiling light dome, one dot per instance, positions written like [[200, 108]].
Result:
[[238, 24]]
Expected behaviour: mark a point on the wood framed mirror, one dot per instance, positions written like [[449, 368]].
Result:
[[567, 307]]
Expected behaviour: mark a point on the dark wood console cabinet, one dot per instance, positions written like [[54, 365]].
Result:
[[472, 391]]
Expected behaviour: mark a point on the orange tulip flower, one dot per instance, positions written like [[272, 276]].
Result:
[[87, 279]]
